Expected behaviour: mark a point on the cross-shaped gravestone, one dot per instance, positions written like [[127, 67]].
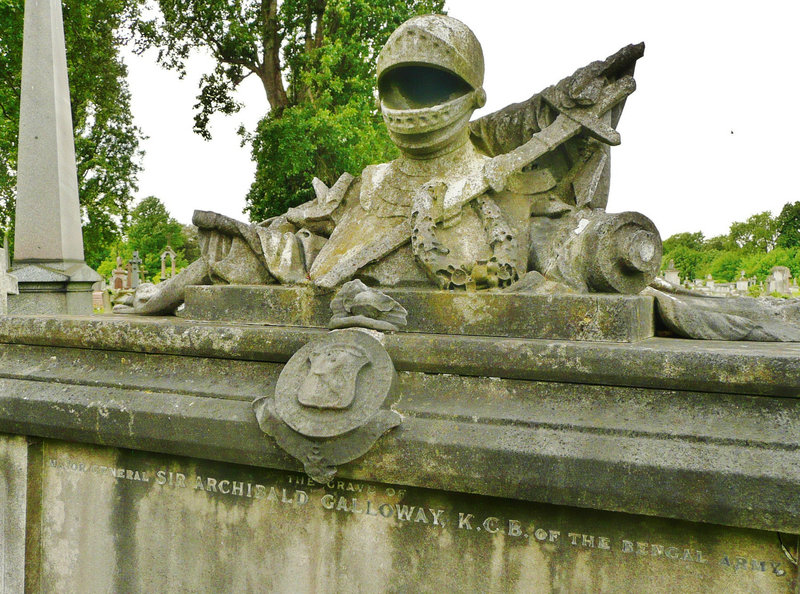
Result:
[[8, 282], [134, 262]]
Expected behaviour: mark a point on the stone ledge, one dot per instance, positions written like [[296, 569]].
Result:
[[743, 482], [725, 459], [709, 366], [596, 317]]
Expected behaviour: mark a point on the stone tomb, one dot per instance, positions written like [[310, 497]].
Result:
[[133, 462], [124, 521]]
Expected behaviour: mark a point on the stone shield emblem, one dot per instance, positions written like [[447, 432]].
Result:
[[328, 406]]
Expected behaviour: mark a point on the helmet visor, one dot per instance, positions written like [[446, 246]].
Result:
[[420, 86]]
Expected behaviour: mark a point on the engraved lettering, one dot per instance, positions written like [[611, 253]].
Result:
[[237, 488], [370, 511], [672, 553], [741, 563], [404, 512], [758, 565], [300, 497], [464, 521], [687, 555], [776, 569], [604, 543], [490, 524], [283, 497], [573, 537], [355, 509], [386, 510], [540, 534], [224, 487], [273, 495], [656, 550], [161, 477], [421, 517], [211, 484], [327, 501], [341, 505], [554, 534], [587, 540], [437, 516], [641, 548], [700, 557], [725, 561], [514, 528], [261, 492], [627, 546]]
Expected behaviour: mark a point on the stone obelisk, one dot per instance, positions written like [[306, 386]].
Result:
[[48, 243]]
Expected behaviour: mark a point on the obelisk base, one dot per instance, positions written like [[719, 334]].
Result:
[[53, 288]]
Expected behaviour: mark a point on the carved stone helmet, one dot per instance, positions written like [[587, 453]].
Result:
[[430, 80]]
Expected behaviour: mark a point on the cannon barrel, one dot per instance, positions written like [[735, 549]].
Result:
[[620, 253]]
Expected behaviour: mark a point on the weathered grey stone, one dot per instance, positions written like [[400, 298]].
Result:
[[125, 521], [454, 211], [611, 318], [48, 243], [13, 503], [740, 368], [719, 318], [327, 407], [357, 306], [661, 427]]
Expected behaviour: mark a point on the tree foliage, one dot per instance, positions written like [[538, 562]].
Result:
[[754, 246], [757, 234], [789, 225], [316, 62], [106, 140]]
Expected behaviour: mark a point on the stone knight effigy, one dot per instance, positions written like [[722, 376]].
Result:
[[513, 201], [508, 201]]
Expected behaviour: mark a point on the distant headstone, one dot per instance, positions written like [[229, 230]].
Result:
[[48, 243], [779, 280], [742, 283], [134, 263], [672, 274], [168, 252], [119, 277]]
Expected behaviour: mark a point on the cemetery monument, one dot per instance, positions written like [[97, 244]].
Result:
[[48, 245], [442, 373]]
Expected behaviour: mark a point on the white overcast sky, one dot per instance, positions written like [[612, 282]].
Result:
[[711, 136]]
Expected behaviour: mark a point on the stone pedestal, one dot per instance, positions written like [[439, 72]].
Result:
[[48, 290], [596, 317], [521, 465]]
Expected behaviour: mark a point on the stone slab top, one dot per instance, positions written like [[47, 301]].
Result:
[[594, 318], [710, 366]]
